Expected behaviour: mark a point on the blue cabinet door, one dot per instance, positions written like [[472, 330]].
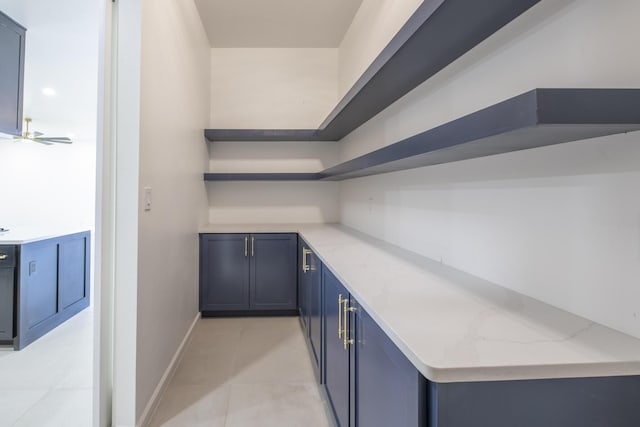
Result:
[[38, 283], [73, 275], [224, 272], [336, 357], [273, 271], [314, 292], [310, 302], [389, 390], [303, 284]]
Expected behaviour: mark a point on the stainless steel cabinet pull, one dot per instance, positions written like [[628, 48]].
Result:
[[346, 341], [340, 316], [246, 241], [253, 241], [305, 266]]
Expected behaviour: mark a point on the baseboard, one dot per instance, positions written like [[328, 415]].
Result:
[[249, 313], [152, 405]]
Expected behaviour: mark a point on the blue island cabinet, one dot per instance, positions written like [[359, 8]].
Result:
[[310, 302], [368, 381], [42, 284], [248, 274]]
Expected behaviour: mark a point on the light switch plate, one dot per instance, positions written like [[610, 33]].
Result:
[[147, 198]]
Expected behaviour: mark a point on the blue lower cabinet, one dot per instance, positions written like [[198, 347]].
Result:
[[336, 354], [310, 302], [248, 274], [368, 381], [7, 292], [389, 390]]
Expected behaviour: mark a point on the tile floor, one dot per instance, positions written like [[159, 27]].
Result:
[[48, 383], [243, 372]]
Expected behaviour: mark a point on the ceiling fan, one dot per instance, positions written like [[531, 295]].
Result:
[[39, 136]]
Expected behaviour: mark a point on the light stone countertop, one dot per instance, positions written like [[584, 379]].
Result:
[[22, 234], [453, 326]]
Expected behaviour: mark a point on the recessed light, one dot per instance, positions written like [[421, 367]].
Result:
[[48, 91]]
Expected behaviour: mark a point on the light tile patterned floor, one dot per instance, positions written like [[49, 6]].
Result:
[[48, 383], [240, 372]]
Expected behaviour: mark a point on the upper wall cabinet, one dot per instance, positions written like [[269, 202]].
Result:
[[439, 32], [12, 47]]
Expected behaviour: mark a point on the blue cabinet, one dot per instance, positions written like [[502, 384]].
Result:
[[336, 349], [7, 291], [560, 402], [389, 390], [12, 52], [310, 302], [369, 382], [248, 273], [42, 284]]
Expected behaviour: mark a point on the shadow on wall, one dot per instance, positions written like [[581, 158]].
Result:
[[272, 156], [273, 202]]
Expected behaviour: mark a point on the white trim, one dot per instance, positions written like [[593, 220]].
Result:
[[152, 405], [103, 268]]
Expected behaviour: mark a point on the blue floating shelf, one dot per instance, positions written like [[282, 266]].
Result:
[[438, 33], [536, 118]]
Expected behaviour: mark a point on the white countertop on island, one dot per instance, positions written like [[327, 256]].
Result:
[[23, 234], [455, 327]]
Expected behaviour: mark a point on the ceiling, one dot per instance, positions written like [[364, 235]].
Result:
[[276, 23]]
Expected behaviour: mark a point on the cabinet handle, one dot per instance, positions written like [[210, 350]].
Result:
[[346, 310], [3, 256], [253, 241], [340, 316], [305, 266], [246, 241]]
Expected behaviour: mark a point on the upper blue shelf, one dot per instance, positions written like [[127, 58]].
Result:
[[536, 118], [439, 32]]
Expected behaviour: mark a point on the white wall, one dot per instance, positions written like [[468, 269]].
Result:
[[273, 202], [54, 184], [174, 109], [267, 88], [271, 89], [373, 27], [279, 202], [562, 223]]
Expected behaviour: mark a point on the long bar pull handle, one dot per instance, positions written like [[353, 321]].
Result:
[[246, 244], [340, 316], [305, 266], [345, 335], [253, 246]]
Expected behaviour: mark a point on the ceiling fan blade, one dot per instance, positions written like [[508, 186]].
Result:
[[60, 139]]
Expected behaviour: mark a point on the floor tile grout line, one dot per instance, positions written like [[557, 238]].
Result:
[[30, 408]]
